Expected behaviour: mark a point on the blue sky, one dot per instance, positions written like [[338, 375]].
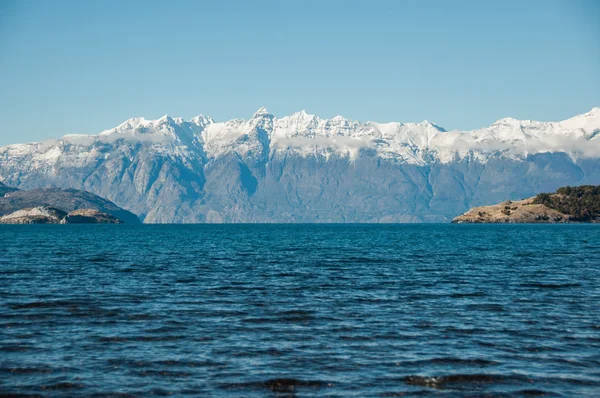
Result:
[[83, 66]]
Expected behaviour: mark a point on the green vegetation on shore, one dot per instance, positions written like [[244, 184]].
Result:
[[581, 203]]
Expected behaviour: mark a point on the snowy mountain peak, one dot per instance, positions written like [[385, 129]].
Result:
[[591, 116], [300, 118], [130, 123], [338, 119], [431, 125], [202, 120], [309, 135], [507, 121], [594, 112], [587, 123], [301, 115], [437, 127], [262, 111]]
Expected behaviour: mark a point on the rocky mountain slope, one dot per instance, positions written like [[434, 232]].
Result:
[[567, 204], [61, 200], [302, 168]]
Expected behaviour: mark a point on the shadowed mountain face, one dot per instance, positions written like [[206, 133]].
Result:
[[305, 169], [4, 189], [66, 200]]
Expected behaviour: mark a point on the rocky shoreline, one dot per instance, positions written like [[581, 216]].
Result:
[[566, 205], [521, 211], [51, 215]]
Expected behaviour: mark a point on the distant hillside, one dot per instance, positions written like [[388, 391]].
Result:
[[567, 204], [66, 200]]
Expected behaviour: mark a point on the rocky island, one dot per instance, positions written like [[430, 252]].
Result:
[[51, 215], [567, 204], [59, 206]]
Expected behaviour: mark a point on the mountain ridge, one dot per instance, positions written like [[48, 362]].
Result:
[[302, 168], [506, 134]]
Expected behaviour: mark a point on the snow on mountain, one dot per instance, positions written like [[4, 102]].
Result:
[[310, 135], [303, 168]]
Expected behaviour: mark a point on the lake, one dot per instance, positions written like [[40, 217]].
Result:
[[300, 310]]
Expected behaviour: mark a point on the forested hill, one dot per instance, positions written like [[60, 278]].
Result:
[[581, 204]]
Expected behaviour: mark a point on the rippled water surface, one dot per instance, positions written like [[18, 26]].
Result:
[[300, 310]]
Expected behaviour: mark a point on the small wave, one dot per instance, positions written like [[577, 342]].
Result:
[[532, 393], [45, 304], [141, 317], [99, 259], [187, 364], [539, 348], [162, 373], [297, 313], [131, 363], [453, 361], [62, 386], [486, 307], [465, 295], [357, 338], [368, 260], [526, 254], [259, 320], [121, 339], [465, 331], [283, 385], [441, 382], [26, 371], [17, 348], [164, 329], [65, 253], [279, 319], [551, 285], [158, 338], [426, 393], [287, 274], [186, 280]]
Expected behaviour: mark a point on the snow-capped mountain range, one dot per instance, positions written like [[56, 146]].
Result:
[[278, 169]]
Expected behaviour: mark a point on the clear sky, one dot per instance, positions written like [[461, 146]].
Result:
[[85, 66]]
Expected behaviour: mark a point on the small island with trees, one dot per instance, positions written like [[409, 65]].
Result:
[[566, 205]]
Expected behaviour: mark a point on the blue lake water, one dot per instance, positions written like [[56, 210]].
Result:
[[300, 310]]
